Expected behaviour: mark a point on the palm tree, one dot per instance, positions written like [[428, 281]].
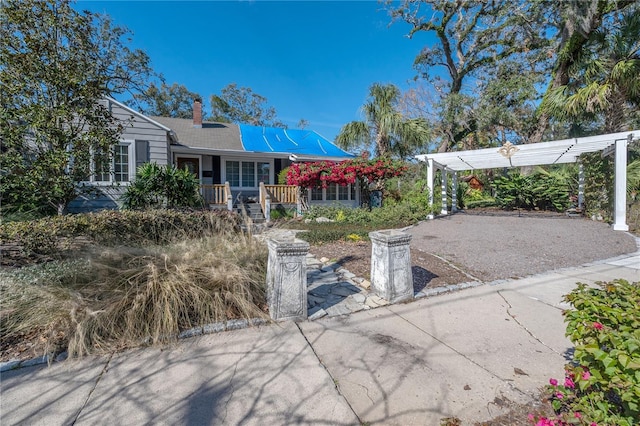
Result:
[[384, 127], [604, 81]]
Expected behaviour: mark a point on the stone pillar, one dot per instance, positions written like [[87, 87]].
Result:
[[287, 278], [391, 276]]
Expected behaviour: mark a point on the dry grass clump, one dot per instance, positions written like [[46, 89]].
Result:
[[123, 297]]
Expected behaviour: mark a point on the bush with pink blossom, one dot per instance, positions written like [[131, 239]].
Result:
[[602, 384]]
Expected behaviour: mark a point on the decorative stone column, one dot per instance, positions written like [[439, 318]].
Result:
[[391, 276], [287, 278]]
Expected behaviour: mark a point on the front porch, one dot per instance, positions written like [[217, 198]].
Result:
[[220, 196]]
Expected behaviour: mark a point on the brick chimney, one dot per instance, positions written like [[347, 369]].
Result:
[[197, 114]]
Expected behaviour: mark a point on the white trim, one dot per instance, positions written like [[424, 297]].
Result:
[[130, 144], [254, 160]]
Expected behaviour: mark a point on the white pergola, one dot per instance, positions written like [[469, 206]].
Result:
[[537, 154]]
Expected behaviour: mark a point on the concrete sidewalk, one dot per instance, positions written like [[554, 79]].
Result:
[[460, 354]]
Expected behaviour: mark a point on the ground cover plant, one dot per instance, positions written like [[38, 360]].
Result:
[[102, 298], [602, 384], [340, 223]]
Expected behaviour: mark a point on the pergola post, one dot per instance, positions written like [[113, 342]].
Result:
[[620, 183], [580, 185], [443, 210], [430, 187], [454, 192]]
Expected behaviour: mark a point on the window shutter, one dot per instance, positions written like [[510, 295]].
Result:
[[142, 153]]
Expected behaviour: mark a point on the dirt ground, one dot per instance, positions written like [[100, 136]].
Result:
[[428, 270]]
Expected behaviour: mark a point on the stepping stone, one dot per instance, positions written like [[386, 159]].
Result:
[[353, 306], [348, 275], [365, 284], [314, 300], [321, 290], [359, 298], [316, 313], [339, 309], [342, 291]]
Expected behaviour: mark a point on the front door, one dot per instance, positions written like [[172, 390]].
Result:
[[192, 164]]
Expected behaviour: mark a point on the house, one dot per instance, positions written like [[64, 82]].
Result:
[[234, 163], [473, 181]]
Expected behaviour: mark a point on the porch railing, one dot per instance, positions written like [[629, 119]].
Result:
[[265, 202], [219, 194], [279, 194], [282, 194]]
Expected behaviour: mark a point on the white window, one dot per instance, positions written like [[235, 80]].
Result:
[[247, 174], [334, 192], [233, 173], [117, 167]]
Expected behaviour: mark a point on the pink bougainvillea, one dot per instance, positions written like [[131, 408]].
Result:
[[320, 174]]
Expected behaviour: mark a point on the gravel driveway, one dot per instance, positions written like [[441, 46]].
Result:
[[492, 246]]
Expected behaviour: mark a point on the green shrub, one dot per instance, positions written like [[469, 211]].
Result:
[[162, 186], [50, 234], [282, 176], [281, 212], [542, 190], [486, 202], [602, 385]]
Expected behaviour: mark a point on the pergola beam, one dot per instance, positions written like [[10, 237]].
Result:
[[539, 154]]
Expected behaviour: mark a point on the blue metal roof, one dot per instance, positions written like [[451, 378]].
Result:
[[288, 141]]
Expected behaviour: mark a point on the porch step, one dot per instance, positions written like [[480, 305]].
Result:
[[252, 210]]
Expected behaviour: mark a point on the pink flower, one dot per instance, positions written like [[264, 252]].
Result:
[[553, 382], [586, 375], [559, 395], [531, 417], [569, 383], [597, 325], [593, 424], [577, 415]]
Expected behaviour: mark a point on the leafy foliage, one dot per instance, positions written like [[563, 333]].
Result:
[[598, 185], [57, 65], [603, 383], [163, 186], [166, 101], [541, 190], [384, 128], [602, 85], [496, 46], [241, 105]]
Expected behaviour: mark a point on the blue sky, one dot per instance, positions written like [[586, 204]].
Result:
[[311, 60]]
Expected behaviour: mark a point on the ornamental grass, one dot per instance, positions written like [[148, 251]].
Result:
[[122, 297]]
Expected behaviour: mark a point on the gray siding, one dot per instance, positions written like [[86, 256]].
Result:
[[141, 129], [98, 198], [136, 128]]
